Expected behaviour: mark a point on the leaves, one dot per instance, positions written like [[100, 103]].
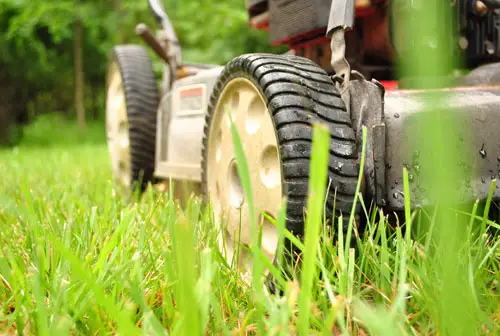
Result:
[[36, 51]]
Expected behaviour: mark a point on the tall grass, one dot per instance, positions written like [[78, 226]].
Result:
[[76, 257]]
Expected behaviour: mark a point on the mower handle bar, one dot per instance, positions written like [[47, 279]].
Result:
[[162, 17], [492, 4]]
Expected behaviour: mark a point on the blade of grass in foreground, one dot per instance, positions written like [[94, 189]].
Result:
[[182, 240], [317, 186], [244, 174], [79, 271], [364, 133], [399, 305], [440, 155]]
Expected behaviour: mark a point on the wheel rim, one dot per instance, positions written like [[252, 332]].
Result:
[[253, 121], [117, 128]]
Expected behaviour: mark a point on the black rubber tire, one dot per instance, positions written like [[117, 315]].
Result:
[[297, 93], [142, 99]]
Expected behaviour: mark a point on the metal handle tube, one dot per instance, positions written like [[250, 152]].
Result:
[[341, 19], [341, 15], [162, 17], [145, 33], [492, 4]]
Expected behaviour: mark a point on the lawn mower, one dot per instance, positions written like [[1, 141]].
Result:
[[339, 71]]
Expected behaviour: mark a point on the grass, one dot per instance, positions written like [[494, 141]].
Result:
[[77, 257]]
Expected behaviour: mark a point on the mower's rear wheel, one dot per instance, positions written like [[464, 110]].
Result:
[[273, 101], [131, 107]]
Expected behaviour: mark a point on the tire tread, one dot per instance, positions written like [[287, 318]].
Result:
[[298, 94], [142, 99]]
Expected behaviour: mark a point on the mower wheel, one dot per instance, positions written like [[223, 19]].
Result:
[[274, 101], [131, 107]]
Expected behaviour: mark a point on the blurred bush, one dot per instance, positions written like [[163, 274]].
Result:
[[37, 46]]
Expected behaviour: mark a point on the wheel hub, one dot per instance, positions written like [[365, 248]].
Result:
[[243, 100]]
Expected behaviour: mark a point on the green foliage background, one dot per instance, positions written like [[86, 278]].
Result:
[[36, 43]]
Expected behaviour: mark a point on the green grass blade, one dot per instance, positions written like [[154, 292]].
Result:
[[244, 173], [124, 324], [358, 188], [317, 186], [183, 244]]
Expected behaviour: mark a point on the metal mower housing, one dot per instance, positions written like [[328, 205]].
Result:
[[181, 116], [182, 112], [388, 113]]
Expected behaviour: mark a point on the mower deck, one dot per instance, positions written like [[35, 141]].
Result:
[[184, 108], [476, 111]]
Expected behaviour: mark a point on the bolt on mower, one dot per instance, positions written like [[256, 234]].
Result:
[[182, 130]]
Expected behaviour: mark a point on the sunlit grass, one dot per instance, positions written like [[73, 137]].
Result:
[[77, 257]]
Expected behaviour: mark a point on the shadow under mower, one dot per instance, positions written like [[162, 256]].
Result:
[[182, 131]]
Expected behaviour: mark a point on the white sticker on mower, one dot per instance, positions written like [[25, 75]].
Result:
[[191, 99]]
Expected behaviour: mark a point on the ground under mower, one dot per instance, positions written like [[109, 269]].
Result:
[[339, 71]]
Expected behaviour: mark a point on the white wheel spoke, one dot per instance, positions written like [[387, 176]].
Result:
[[226, 147], [246, 97], [269, 236], [243, 100], [266, 174], [117, 128], [236, 225], [267, 134]]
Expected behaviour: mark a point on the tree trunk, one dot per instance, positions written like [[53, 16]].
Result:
[[95, 89], [117, 7], [79, 81]]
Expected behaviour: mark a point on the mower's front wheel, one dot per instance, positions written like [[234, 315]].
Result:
[[274, 102], [131, 107]]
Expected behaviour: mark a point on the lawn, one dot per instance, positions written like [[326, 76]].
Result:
[[79, 257]]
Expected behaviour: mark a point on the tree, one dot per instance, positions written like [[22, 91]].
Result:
[[79, 80], [48, 44]]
